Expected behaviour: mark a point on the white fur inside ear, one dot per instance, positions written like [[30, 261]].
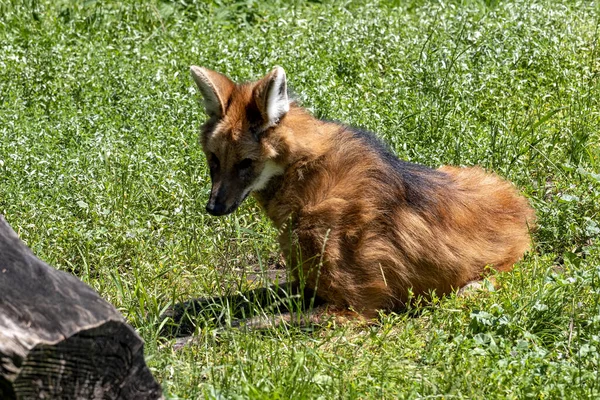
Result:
[[212, 103], [278, 103]]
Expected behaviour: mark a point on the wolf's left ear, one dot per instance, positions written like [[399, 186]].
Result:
[[215, 88], [272, 97]]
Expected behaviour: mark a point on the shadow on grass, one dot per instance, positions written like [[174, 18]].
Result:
[[276, 303]]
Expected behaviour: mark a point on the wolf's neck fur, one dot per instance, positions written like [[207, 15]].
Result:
[[301, 140]]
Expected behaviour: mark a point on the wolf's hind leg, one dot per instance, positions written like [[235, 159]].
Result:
[[488, 283]]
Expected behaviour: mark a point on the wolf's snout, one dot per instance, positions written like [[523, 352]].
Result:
[[216, 209], [217, 201]]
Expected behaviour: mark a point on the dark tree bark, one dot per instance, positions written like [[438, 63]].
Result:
[[59, 339]]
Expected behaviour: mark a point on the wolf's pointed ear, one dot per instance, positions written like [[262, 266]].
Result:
[[215, 88], [272, 97]]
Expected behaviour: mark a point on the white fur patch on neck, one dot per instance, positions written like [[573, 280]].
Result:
[[270, 170]]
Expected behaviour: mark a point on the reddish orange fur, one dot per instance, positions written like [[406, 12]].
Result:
[[351, 234]]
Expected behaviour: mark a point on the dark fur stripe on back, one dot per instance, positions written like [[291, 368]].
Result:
[[420, 183]]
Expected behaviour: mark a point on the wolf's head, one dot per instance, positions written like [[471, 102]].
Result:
[[235, 138]]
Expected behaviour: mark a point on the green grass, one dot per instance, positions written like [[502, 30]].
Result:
[[102, 175]]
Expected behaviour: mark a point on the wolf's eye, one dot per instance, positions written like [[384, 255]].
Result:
[[245, 163], [213, 161]]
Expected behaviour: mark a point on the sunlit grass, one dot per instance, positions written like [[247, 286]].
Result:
[[101, 174]]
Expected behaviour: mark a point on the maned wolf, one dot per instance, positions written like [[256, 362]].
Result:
[[362, 228]]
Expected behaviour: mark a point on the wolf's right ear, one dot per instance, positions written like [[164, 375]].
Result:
[[272, 97], [215, 88]]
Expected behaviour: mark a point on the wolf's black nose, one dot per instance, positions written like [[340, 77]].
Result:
[[216, 209]]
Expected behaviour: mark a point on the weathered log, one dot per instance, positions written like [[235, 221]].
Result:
[[59, 339]]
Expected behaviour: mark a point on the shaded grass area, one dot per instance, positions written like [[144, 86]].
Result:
[[101, 174]]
